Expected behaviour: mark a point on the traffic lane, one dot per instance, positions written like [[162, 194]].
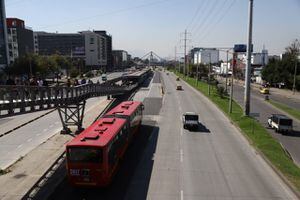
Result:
[[21, 141], [139, 152], [293, 103], [289, 141], [220, 163], [165, 182]]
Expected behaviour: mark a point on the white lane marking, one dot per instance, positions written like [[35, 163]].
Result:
[[181, 132], [29, 140], [181, 194], [181, 155], [20, 146], [45, 130], [180, 109]]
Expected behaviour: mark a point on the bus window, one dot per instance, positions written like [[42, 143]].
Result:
[[112, 156], [85, 155]]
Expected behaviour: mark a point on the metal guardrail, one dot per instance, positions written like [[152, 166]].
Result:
[[20, 99]]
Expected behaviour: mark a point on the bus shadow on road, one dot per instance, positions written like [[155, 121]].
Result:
[[133, 178]]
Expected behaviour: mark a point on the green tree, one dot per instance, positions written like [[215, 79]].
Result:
[[278, 71]]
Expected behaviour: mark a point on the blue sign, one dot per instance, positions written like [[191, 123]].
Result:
[[241, 48]]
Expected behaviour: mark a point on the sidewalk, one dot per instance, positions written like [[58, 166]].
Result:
[[8, 124], [26, 172]]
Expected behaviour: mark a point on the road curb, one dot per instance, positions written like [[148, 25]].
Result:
[[281, 176], [7, 132]]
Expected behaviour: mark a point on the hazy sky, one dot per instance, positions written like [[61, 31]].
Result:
[[140, 26]]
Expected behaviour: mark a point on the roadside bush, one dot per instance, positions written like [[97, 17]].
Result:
[[74, 73], [89, 74], [221, 91]]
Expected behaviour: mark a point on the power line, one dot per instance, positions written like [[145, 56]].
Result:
[[196, 13], [218, 11], [218, 21], [204, 19], [107, 13], [205, 4]]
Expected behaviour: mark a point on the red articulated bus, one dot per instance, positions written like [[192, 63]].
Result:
[[130, 110], [93, 156]]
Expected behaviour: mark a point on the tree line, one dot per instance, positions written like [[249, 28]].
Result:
[[282, 71]]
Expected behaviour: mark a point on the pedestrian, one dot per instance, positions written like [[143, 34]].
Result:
[[40, 82], [76, 82], [68, 83]]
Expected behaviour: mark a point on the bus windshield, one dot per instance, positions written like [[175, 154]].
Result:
[[85, 155]]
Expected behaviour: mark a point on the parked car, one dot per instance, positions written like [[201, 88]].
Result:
[[264, 90], [280, 123], [190, 120], [178, 87]]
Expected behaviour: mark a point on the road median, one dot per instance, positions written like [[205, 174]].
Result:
[[258, 136]]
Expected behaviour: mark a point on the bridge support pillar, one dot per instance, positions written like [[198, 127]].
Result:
[[72, 115]]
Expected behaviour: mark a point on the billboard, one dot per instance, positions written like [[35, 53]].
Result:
[[241, 48]]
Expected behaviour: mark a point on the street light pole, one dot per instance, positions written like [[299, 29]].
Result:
[[248, 66], [226, 71], [234, 61], [197, 73], [295, 75], [209, 74]]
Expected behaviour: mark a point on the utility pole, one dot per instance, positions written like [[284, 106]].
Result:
[[209, 73], [197, 72], [226, 71], [185, 33], [296, 62], [248, 66], [234, 61], [175, 58]]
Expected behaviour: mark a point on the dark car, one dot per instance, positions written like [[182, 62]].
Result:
[[190, 121]]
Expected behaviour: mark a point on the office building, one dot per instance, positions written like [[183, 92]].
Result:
[[120, 59], [20, 39]]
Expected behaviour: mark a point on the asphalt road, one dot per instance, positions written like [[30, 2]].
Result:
[[258, 105], [168, 162], [215, 162]]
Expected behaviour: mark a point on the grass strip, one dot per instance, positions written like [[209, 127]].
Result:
[[258, 135], [291, 111]]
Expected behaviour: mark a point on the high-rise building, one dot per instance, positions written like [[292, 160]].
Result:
[[3, 36], [120, 59], [108, 49], [86, 45], [20, 39]]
